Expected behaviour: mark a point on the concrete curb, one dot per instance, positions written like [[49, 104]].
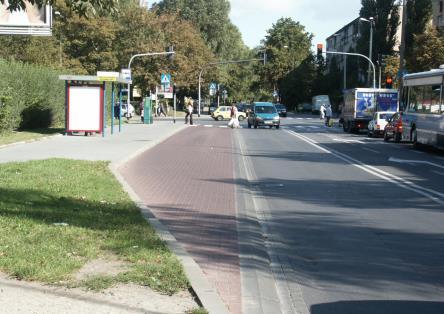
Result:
[[205, 292], [30, 141]]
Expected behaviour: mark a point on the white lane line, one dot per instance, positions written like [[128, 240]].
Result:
[[371, 150], [433, 195], [424, 162], [343, 140], [208, 126], [438, 172], [289, 302], [418, 152]]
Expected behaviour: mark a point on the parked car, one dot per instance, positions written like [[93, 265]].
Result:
[[377, 125], [264, 114], [281, 109], [244, 107], [125, 112], [212, 108], [224, 113], [393, 129]]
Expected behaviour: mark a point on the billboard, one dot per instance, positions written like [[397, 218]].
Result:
[[31, 21], [387, 101], [365, 104]]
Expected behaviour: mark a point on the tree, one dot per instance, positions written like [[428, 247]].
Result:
[[287, 45], [419, 13], [429, 50], [81, 7], [386, 17]]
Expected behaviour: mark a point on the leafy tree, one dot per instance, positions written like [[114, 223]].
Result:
[[287, 45], [211, 17], [419, 13], [386, 22], [429, 50]]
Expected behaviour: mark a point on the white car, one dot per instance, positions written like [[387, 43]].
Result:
[[377, 125], [127, 113]]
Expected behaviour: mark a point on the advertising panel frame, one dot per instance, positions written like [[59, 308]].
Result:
[[32, 21]]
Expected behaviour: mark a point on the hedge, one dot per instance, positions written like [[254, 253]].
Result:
[[30, 97]]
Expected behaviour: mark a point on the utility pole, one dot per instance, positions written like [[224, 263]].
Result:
[[402, 48]]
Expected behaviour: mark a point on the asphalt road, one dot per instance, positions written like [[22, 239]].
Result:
[[337, 223]]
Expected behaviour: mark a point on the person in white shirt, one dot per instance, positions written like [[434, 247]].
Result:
[[322, 112]]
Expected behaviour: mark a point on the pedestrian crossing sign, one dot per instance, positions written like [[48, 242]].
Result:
[[165, 79]]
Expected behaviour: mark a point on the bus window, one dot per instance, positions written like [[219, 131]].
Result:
[[436, 95]]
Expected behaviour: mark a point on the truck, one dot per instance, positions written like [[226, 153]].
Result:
[[317, 101], [361, 103]]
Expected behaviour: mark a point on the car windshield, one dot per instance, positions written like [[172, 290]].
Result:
[[265, 109], [279, 107], [385, 116]]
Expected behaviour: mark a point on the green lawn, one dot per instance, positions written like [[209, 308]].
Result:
[[19, 136], [36, 196]]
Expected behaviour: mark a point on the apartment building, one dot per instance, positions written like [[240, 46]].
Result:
[[438, 13]]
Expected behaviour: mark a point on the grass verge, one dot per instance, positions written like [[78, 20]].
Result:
[[56, 215], [26, 135]]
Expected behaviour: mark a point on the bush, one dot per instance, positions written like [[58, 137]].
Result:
[[7, 121], [35, 96]]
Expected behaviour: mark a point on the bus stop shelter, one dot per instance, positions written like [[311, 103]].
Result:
[[86, 102]]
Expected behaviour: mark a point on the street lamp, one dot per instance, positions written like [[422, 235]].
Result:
[[370, 20]]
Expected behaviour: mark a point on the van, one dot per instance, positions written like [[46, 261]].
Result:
[[317, 101]]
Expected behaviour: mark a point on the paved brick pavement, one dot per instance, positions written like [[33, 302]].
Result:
[[188, 183]]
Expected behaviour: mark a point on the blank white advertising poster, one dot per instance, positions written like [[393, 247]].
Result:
[[84, 108]]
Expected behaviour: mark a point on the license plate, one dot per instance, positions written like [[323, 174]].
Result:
[[268, 122]]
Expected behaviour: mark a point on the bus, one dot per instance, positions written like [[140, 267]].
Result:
[[423, 108]]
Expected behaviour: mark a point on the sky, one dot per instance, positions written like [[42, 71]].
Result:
[[322, 18]]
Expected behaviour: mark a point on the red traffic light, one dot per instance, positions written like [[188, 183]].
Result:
[[319, 49], [388, 82]]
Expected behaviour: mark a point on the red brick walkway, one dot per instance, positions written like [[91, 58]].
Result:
[[188, 182]]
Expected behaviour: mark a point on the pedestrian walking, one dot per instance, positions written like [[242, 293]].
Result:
[[189, 110], [161, 110], [328, 114], [322, 112], [234, 117]]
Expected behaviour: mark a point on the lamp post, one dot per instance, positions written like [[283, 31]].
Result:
[[169, 53], [370, 20]]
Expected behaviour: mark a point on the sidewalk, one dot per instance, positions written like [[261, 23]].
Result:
[[118, 149]]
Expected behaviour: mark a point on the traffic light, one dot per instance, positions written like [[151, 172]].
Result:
[[320, 47], [172, 54], [388, 82]]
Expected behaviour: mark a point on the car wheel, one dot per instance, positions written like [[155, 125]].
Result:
[[397, 137], [277, 126], [220, 118], [414, 138], [369, 134], [241, 118], [386, 137]]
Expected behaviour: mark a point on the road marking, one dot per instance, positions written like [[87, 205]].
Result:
[[433, 195], [371, 150], [438, 172], [208, 126], [348, 141], [403, 161], [289, 302]]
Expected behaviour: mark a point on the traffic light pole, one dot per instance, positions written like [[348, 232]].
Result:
[[143, 55], [222, 63], [358, 55]]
